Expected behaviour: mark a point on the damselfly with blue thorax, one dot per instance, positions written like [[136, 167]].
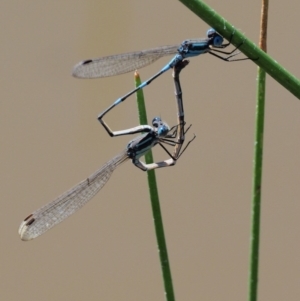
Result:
[[126, 62]]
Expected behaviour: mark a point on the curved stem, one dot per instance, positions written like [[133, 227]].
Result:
[[249, 48]]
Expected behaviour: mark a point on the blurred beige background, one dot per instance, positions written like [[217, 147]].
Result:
[[51, 140]]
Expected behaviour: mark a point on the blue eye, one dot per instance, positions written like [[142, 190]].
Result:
[[218, 40], [163, 130], [156, 121], [211, 32]]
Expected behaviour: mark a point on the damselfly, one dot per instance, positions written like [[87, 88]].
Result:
[[126, 62], [69, 202]]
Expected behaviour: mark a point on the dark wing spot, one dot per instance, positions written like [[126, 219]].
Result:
[[30, 222], [86, 62]]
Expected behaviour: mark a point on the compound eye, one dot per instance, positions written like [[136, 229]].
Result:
[[163, 130], [210, 33], [217, 40], [156, 121]]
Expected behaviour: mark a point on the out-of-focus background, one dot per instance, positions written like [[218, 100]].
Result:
[[51, 139]]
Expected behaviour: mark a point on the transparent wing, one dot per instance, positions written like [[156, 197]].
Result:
[[69, 202], [121, 63]]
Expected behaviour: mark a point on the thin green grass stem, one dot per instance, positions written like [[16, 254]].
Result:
[[157, 217]]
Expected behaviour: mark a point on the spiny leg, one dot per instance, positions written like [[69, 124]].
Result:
[[229, 54]]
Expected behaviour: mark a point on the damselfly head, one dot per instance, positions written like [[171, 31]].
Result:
[[160, 126], [214, 37]]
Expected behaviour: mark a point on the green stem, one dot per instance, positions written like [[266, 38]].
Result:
[[257, 185], [208, 15], [157, 217]]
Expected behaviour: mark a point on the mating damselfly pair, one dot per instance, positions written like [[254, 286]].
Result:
[[159, 133]]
